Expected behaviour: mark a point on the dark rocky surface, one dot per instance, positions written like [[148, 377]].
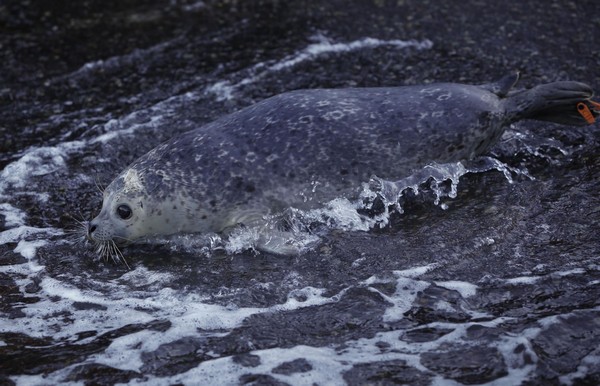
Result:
[[71, 72]]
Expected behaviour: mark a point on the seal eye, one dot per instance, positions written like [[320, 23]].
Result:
[[124, 211]]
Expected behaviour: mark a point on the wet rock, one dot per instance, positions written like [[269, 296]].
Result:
[[468, 365], [8, 286], [16, 359], [562, 346], [478, 332], [395, 372], [8, 257], [34, 286], [27, 355], [260, 380], [246, 360], [300, 365], [592, 377], [12, 298], [426, 334], [438, 304], [357, 314], [6, 381], [95, 374], [88, 306], [174, 357], [383, 346]]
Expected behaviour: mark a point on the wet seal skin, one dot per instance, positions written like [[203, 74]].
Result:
[[304, 148]]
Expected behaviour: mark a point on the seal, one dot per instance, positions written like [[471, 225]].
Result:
[[301, 149]]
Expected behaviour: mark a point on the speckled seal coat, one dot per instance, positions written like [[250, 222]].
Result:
[[303, 148]]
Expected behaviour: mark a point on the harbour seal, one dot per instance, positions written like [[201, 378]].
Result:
[[303, 148]]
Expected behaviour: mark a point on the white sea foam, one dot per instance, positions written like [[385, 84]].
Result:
[[523, 280], [13, 217], [407, 289], [189, 312], [465, 289], [35, 162], [574, 271], [109, 63], [529, 280], [224, 90], [416, 271], [327, 364], [23, 232], [147, 119]]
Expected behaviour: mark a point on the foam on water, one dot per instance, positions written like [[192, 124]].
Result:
[[188, 312], [35, 162], [224, 90], [148, 119], [13, 217], [22, 233], [407, 288], [326, 365], [465, 289], [116, 62]]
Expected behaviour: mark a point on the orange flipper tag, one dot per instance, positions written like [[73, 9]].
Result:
[[585, 112]]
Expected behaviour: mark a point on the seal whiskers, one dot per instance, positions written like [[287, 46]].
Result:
[[110, 250]]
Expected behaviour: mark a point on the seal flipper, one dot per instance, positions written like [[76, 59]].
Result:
[[502, 87], [552, 102]]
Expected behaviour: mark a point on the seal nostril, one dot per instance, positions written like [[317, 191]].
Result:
[[92, 229]]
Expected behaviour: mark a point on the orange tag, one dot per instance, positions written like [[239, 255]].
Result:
[[585, 112]]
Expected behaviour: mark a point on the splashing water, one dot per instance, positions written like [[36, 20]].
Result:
[[299, 230]]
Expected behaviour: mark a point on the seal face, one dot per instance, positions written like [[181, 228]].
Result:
[[304, 148]]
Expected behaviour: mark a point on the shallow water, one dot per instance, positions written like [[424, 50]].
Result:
[[491, 275]]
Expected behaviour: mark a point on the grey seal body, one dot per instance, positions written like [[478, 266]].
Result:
[[303, 148]]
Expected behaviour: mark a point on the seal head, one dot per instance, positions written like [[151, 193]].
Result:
[[132, 209], [123, 217]]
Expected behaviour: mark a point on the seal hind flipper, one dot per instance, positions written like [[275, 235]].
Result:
[[552, 102], [502, 87]]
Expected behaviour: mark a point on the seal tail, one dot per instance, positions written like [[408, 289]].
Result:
[[567, 103]]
